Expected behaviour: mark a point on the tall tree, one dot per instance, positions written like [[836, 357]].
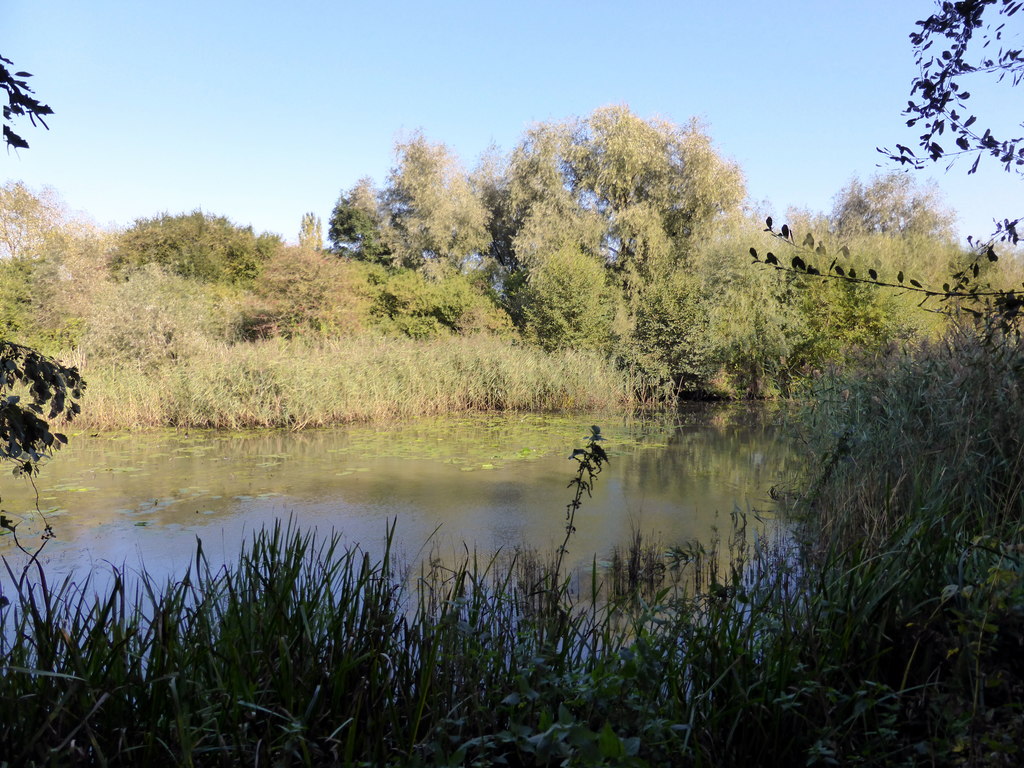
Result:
[[356, 222], [311, 234], [655, 184], [890, 204], [28, 220], [433, 214]]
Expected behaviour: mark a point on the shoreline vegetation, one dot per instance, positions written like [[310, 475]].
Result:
[[881, 626], [295, 384], [602, 261]]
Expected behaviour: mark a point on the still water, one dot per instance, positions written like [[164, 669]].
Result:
[[449, 485]]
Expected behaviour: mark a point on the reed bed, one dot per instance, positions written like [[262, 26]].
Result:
[[295, 384], [305, 653]]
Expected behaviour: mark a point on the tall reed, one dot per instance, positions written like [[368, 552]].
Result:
[[280, 383]]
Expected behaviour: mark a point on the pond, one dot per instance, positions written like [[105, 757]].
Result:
[[451, 485]]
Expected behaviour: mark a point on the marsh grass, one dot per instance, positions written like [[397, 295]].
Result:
[[295, 384], [307, 653]]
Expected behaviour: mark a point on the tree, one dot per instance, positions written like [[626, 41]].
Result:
[[27, 221], [355, 225], [195, 245], [893, 205], [311, 233], [20, 102], [432, 213], [656, 185]]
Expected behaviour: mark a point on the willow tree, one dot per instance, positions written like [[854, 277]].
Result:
[[432, 214], [655, 185]]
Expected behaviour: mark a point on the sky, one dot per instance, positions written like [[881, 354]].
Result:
[[262, 111]]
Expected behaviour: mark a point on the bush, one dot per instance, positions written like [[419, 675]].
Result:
[[195, 245]]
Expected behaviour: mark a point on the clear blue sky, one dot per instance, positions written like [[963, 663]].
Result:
[[262, 111]]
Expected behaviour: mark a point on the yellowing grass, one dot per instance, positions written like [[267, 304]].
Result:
[[281, 383]]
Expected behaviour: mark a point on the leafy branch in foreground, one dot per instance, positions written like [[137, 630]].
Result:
[[938, 99], [1001, 307], [20, 102], [53, 391]]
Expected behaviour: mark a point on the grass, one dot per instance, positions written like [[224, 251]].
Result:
[[295, 384], [885, 631], [303, 653]]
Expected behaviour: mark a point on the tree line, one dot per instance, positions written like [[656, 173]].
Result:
[[608, 232]]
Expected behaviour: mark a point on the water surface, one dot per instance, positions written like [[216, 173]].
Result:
[[449, 485]]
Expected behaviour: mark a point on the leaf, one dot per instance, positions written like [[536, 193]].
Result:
[[899, 277], [853, 273], [991, 254], [839, 271], [785, 231], [753, 252], [845, 251], [798, 263], [915, 283], [872, 274], [768, 223], [770, 258], [809, 240]]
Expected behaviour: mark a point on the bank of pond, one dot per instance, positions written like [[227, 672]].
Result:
[[755, 641]]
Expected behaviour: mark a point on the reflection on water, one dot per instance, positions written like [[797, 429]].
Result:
[[477, 482]]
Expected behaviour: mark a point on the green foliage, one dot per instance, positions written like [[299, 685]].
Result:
[[655, 184], [196, 245], [669, 342], [17, 286], [418, 305], [890, 204], [564, 301], [432, 211], [309, 292], [34, 390], [311, 235], [355, 225], [152, 317]]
